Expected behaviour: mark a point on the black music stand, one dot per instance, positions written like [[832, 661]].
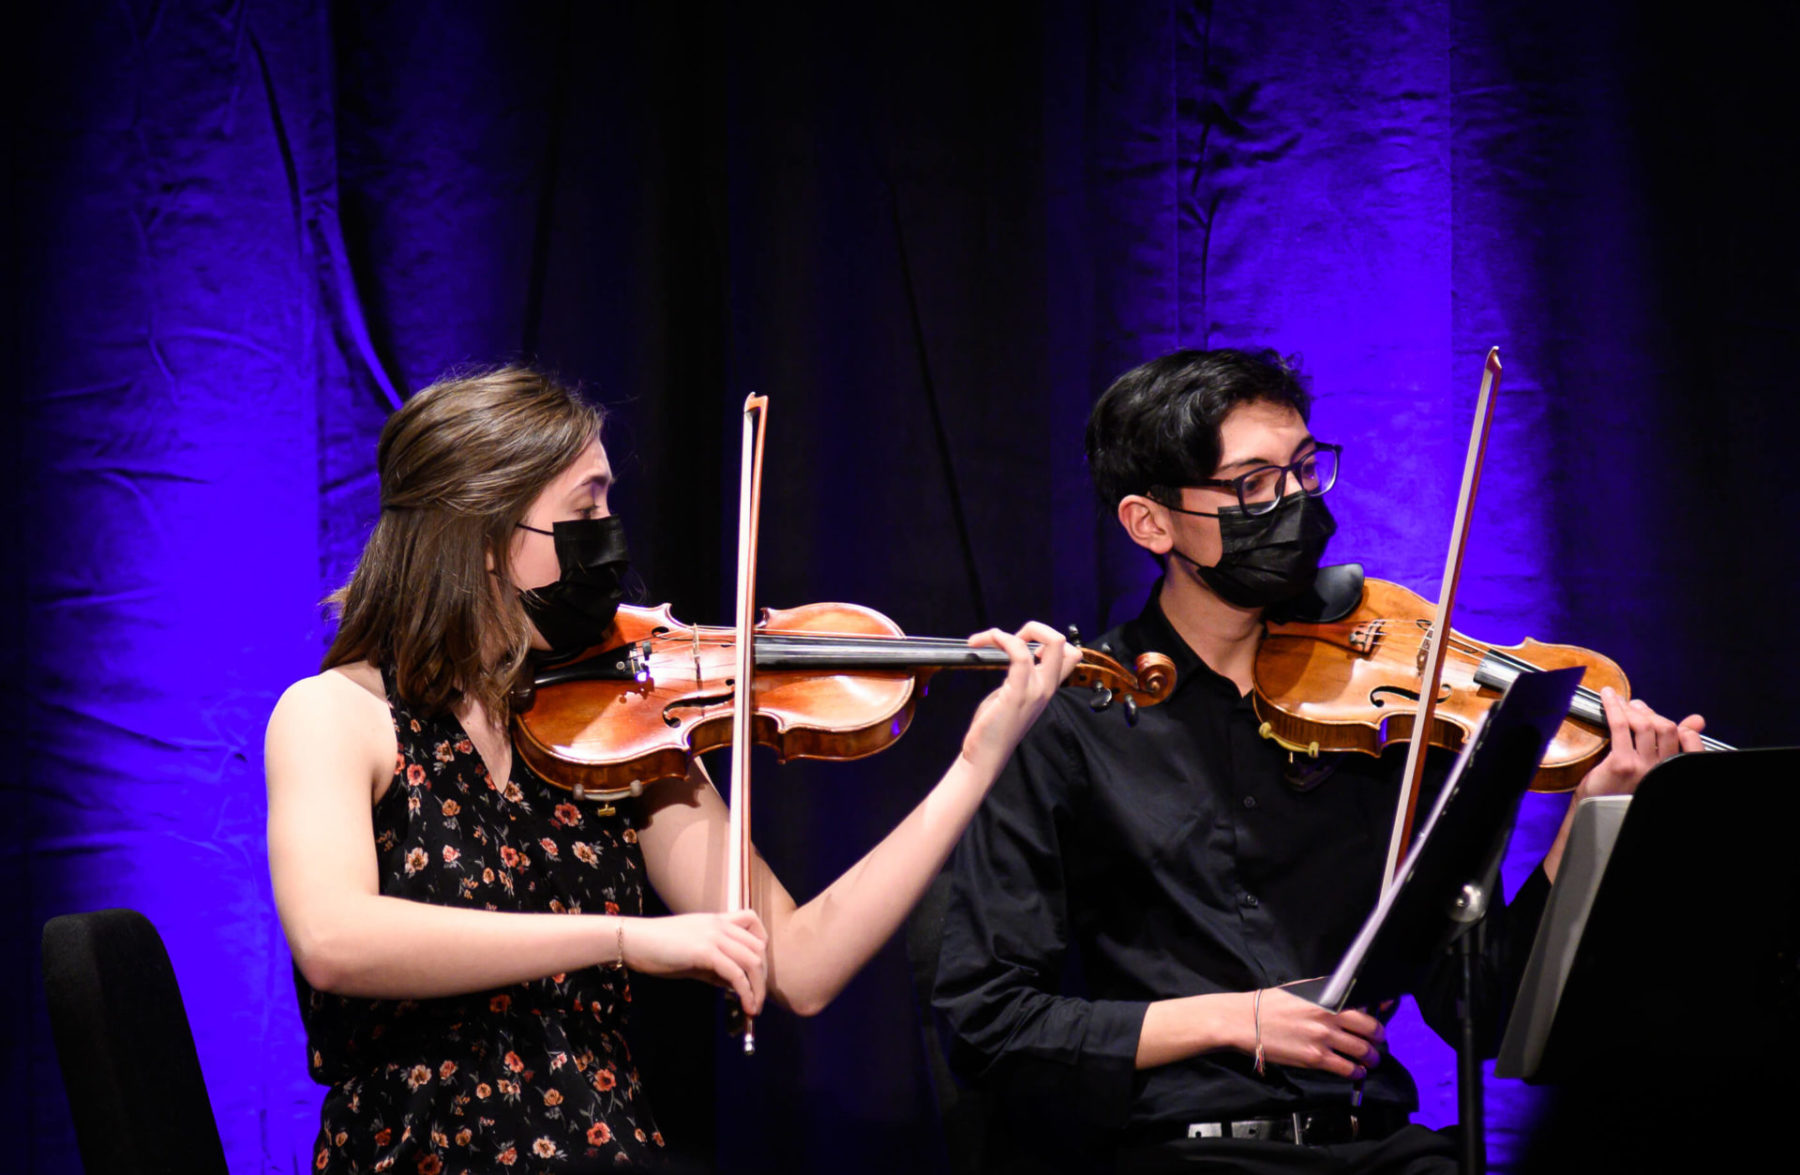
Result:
[[1671, 1041], [1451, 868], [1698, 897]]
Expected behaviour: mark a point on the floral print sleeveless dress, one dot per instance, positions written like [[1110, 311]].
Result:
[[532, 1077]]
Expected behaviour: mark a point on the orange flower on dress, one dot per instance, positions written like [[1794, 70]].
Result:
[[543, 1148], [556, 907], [657, 1138], [416, 860], [500, 1003], [430, 1165], [399, 763], [567, 814], [639, 1133], [324, 1157], [463, 1136], [507, 1157], [418, 1076], [512, 1062], [464, 745], [484, 1091], [415, 774], [584, 853], [553, 1097], [447, 1070], [487, 877], [629, 836], [509, 856], [450, 854], [604, 1079], [512, 793], [549, 847], [340, 1138], [451, 807], [599, 1134], [612, 907], [383, 1136]]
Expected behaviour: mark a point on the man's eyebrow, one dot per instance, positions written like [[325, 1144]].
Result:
[[1253, 462]]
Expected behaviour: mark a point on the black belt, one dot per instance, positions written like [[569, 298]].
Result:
[[1318, 1127]]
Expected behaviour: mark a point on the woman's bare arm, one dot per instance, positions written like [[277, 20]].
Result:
[[330, 743]]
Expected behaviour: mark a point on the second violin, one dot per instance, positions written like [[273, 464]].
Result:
[[1350, 682]]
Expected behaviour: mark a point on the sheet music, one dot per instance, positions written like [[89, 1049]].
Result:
[[1596, 828], [1337, 989]]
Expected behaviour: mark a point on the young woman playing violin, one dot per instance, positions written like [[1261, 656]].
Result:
[[463, 934], [1189, 869]]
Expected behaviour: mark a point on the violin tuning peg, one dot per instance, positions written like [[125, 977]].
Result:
[[1106, 650], [522, 697], [1074, 635], [1102, 697], [1130, 710]]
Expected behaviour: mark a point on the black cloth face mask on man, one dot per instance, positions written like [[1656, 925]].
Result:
[[1266, 558], [574, 612]]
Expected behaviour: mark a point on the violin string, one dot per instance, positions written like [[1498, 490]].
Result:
[[1475, 652]]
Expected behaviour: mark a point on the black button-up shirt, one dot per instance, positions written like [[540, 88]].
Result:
[[1167, 860]]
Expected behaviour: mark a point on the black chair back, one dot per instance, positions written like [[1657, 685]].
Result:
[[127, 1053]]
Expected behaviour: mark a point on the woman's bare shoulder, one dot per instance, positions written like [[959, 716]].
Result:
[[352, 692], [332, 724]]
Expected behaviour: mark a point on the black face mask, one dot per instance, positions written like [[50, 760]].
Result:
[[574, 613], [1267, 558]]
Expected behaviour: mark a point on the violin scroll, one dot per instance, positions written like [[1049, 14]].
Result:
[[1148, 682]]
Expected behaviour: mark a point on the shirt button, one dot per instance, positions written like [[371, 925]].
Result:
[[1250, 902], [1249, 801]]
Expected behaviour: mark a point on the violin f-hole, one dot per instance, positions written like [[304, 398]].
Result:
[[1376, 698], [693, 702]]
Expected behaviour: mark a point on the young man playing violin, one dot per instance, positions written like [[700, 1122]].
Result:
[[1185, 870]]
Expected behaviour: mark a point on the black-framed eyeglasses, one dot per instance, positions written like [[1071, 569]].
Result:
[[1261, 490]]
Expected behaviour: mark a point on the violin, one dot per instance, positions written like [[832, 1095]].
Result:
[[832, 681], [1362, 666], [1348, 680]]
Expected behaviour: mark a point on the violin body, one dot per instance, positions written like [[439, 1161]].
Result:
[[1352, 685], [616, 735], [831, 681]]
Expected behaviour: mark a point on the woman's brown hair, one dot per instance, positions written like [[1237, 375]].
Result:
[[460, 464]]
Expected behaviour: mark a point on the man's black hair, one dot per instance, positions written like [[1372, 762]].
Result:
[[1157, 427]]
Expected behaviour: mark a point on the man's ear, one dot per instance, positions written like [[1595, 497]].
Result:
[[1147, 522]]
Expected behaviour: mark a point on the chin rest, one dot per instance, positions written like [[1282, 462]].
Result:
[[1334, 594]]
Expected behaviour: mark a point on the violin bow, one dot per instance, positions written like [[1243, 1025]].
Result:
[[1433, 652], [739, 854]]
